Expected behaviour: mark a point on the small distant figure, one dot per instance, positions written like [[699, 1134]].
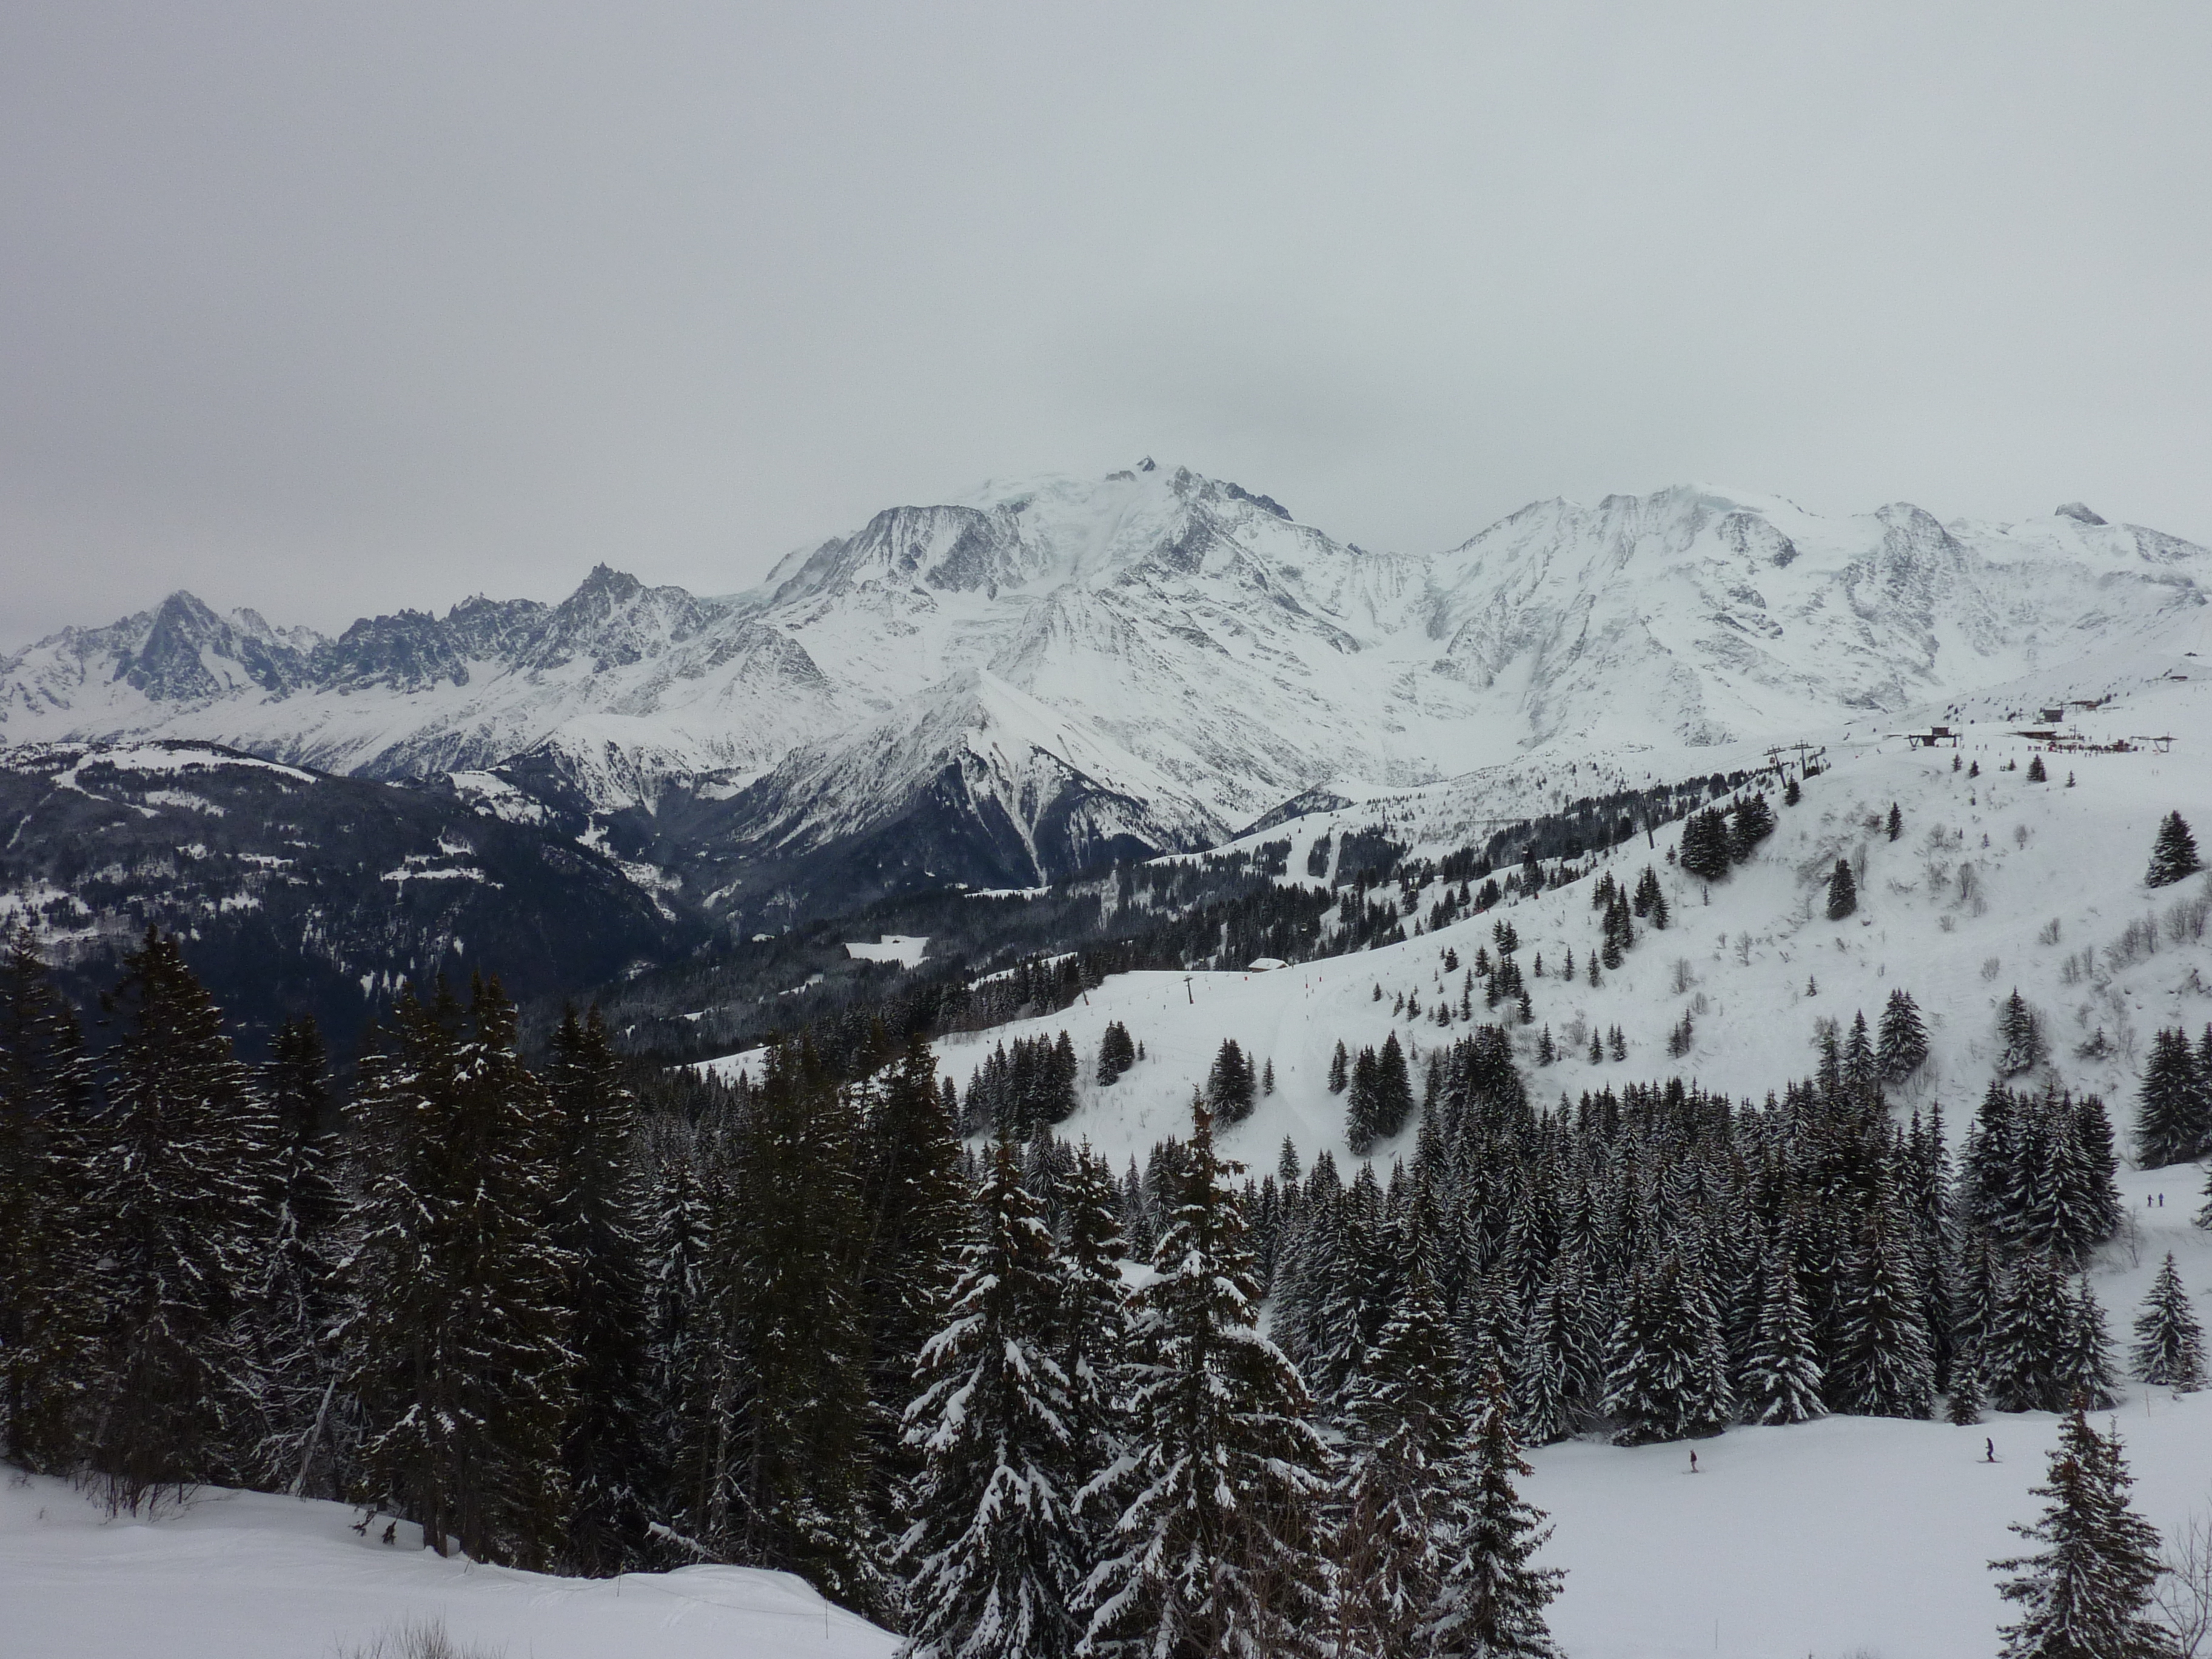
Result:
[[361, 1525], [2161, 1200], [392, 1532], [1694, 1462], [1989, 1451]]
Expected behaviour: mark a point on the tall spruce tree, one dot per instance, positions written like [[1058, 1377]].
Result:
[[2169, 1351], [2173, 1116], [48, 1290], [915, 1205], [1781, 1378], [2024, 1360], [1229, 1089], [1666, 1363], [179, 1213], [457, 1343], [2021, 1046], [1843, 891], [599, 1224], [1903, 1046], [2085, 1363], [794, 1470], [1885, 1363], [2173, 855], [994, 1550], [1490, 1604], [1092, 1334], [1396, 1499], [301, 1291], [1214, 1547], [2088, 1592]]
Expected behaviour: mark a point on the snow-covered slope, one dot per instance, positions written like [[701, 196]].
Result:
[[1994, 884], [247, 1575], [1209, 656]]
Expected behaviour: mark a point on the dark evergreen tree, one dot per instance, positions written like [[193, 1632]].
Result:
[[1885, 1363], [2173, 855], [2174, 1120], [1705, 851], [1791, 794], [301, 1291], [1782, 1379], [178, 1212], [1666, 1361], [1393, 1091], [794, 1476], [1843, 891], [1093, 1329], [2021, 1047], [599, 1224], [2169, 1351], [2024, 1361], [1338, 1076], [2036, 773], [915, 1205], [2085, 1364], [1490, 1604], [1214, 1545], [1117, 1053], [1895, 825], [1752, 822], [456, 1345], [994, 1552], [1902, 1049], [48, 1287], [1229, 1085], [2087, 1594], [1395, 1504]]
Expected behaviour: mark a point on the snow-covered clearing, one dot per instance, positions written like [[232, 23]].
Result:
[[905, 948], [246, 1576], [1994, 883]]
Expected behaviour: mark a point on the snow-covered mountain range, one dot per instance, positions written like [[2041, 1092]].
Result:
[[1008, 688]]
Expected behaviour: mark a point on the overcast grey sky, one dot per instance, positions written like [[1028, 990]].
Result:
[[336, 308]]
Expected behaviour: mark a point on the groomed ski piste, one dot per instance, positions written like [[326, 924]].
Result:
[[1838, 1538]]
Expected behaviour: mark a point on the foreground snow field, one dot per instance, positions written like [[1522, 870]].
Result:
[[245, 1576]]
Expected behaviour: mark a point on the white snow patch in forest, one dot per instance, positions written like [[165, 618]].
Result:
[[904, 949]]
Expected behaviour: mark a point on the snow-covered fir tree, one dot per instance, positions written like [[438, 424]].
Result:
[[2174, 854], [1492, 1601], [1903, 1046], [609, 1462], [1666, 1361], [1885, 1364], [301, 1294], [2024, 1359], [2169, 1346], [1781, 1378], [48, 1301], [2173, 1113], [1843, 891], [2086, 1594], [456, 1345], [1215, 1545], [1397, 1498], [179, 1208], [2086, 1371], [994, 1554]]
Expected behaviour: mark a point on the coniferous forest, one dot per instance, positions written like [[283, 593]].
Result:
[[572, 1313]]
